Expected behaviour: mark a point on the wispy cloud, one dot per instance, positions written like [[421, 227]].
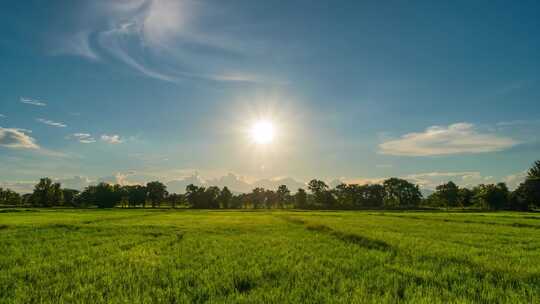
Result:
[[51, 123], [112, 139], [84, 138], [31, 101], [459, 138], [157, 38], [16, 139]]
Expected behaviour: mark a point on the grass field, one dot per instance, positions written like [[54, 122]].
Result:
[[136, 256]]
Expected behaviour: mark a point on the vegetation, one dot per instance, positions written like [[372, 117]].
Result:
[[195, 256], [393, 193]]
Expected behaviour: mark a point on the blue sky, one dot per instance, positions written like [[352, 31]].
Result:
[[132, 91]]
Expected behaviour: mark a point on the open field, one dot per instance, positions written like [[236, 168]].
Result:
[[134, 256]]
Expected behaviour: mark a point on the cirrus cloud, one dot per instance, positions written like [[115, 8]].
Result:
[[112, 139], [51, 123], [84, 138], [31, 101], [458, 138]]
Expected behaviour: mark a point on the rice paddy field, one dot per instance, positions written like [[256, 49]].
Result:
[[188, 256]]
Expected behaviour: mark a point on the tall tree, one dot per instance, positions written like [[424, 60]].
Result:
[[448, 194], [46, 193], [136, 195], [195, 196], [69, 196], [283, 196], [300, 199], [401, 193], [491, 196], [211, 197], [465, 197], [322, 197], [257, 197], [225, 197], [104, 196], [175, 199], [531, 187], [9, 197], [156, 192]]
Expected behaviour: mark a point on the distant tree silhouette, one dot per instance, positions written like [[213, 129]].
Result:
[[46, 193], [448, 194], [225, 198], [175, 199], [283, 195], [136, 195], [69, 196], [531, 187], [491, 196], [301, 199], [392, 193], [156, 193], [104, 195], [465, 197], [322, 198], [211, 197], [9, 197], [401, 193], [195, 196]]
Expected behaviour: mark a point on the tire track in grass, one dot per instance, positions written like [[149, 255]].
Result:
[[446, 220], [351, 238], [124, 217]]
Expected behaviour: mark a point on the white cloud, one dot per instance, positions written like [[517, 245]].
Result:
[[513, 180], [19, 186], [142, 33], [51, 123], [31, 101], [457, 138], [111, 139], [84, 138], [16, 139]]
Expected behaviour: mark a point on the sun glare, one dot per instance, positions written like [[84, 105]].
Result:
[[262, 132]]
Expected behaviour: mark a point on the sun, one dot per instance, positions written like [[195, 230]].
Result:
[[262, 132]]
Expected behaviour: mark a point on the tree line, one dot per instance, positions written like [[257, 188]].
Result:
[[392, 193]]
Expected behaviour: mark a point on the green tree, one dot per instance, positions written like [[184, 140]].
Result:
[[10, 198], [104, 195], [195, 196], [46, 193], [491, 196], [401, 193], [465, 197], [531, 187], [373, 195], [283, 196], [322, 197], [519, 198], [257, 197], [175, 199], [136, 195], [156, 192], [225, 197], [448, 194], [300, 199], [211, 197], [69, 196]]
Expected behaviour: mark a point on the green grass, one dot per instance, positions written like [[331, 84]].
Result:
[[143, 256]]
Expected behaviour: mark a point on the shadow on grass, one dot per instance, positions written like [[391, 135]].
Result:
[[446, 220], [350, 238]]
